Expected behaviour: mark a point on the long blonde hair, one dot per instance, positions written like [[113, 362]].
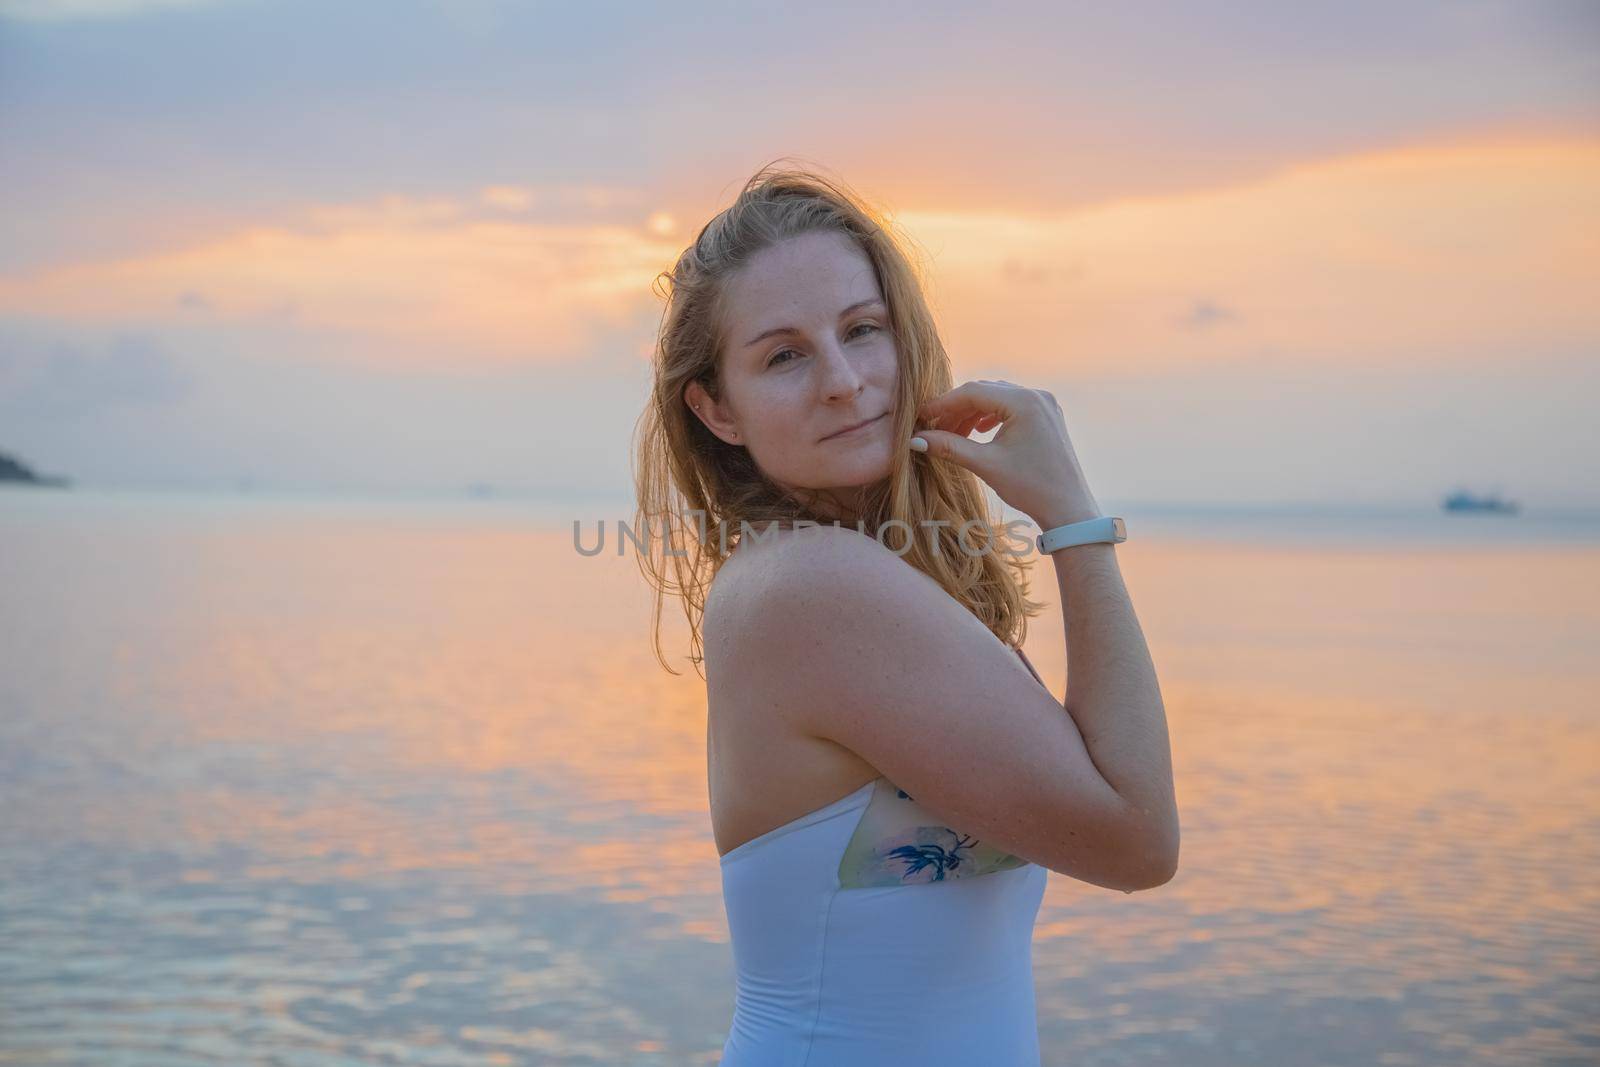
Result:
[[683, 470]]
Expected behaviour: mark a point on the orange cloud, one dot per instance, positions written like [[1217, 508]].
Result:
[[1436, 254], [423, 279], [1445, 253]]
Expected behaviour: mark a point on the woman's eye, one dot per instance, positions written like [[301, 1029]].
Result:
[[775, 360]]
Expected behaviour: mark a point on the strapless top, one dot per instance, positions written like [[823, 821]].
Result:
[[867, 932]]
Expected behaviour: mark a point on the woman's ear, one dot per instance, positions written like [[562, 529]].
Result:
[[714, 415]]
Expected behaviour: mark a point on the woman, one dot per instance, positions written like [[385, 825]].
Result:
[[890, 780]]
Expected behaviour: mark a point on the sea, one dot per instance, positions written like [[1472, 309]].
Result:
[[333, 779]]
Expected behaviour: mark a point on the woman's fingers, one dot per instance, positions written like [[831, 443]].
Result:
[[1030, 463], [971, 399], [973, 455]]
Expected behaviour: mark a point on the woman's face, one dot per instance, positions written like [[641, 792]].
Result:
[[807, 353]]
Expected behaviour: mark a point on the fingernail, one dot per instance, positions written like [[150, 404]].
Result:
[[918, 445]]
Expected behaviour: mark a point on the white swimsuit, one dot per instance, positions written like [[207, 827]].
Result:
[[867, 932]]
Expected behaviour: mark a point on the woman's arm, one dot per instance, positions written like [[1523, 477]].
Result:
[[1112, 692], [845, 642]]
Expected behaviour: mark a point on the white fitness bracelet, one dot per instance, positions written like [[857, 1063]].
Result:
[[1108, 528]]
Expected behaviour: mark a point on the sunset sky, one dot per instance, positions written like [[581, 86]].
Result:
[[1260, 252]]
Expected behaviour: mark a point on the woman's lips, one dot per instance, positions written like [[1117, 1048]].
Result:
[[856, 429]]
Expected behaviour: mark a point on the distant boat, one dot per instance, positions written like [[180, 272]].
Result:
[[1461, 500]]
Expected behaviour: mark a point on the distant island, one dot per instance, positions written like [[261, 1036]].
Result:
[[14, 470]]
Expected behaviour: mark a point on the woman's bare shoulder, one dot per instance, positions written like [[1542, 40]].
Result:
[[822, 599], [774, 593], [778, 561]]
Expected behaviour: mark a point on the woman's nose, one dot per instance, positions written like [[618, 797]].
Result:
[[840, 378]]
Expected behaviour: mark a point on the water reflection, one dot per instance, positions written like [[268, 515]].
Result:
[[325, 785]]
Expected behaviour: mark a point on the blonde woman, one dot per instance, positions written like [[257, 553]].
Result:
[[890, 780]]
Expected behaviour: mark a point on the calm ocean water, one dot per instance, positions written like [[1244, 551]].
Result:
[[319, 781]]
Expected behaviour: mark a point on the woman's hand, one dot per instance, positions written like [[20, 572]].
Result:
[[1030, 463]]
